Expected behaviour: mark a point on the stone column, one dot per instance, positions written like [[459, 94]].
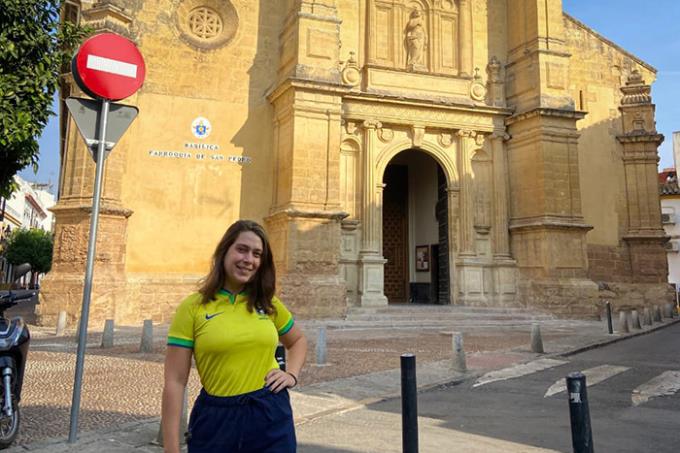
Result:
[[453, 195], [465, 38], [371, 262], [467, 213], [501, 239], [369, 208]]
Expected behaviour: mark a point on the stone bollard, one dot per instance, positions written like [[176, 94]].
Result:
[[657, 314], [668, 310], [183, 422], [623, 322], [629, 320], [147, 337], [536, 340], [647, 317], [635, 321], [61, 324], [321, 346], [107, 336], [458, 352]]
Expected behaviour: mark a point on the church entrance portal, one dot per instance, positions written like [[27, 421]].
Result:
[[415, 230]]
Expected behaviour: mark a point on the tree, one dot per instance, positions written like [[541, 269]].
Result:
[[32, 246], [34, 47]]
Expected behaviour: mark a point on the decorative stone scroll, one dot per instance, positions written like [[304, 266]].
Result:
[[351, 74]]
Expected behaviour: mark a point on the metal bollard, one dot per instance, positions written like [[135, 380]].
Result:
[[321, 346], [61, 323], [280, 355], [579, 413], [409, 404], [536, 340], [610, 327], [107, 336], [146, 344]]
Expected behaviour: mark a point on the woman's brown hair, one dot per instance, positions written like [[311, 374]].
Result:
[[261, 288]]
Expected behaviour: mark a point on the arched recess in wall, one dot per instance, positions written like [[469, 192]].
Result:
[[482, 190], [350, 189]]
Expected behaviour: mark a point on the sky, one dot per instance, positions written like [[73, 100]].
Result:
[[647, 30]]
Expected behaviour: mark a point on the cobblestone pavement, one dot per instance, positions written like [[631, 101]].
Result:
[[122, 387]]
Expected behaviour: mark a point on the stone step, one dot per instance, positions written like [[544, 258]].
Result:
[[442, 314]]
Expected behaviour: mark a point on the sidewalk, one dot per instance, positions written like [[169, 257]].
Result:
[[337, 407]]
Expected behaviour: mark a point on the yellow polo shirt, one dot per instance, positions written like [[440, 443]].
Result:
[[233, 348]]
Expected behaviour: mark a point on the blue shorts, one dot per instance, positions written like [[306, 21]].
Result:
[[255, 422]]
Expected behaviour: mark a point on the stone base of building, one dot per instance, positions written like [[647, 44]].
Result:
[[126, 302], [634, 296], [313, 296], [565, 297]]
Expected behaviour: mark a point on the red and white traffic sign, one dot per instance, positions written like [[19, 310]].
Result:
[[109, 66]]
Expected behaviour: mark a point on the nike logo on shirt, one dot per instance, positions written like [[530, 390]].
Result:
[[209, 317]]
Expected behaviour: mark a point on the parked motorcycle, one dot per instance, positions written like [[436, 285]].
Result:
[[14, 340]]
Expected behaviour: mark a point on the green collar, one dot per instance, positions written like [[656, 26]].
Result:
[[231, 296]]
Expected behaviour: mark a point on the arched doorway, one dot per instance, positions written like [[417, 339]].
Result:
[[415, 231]]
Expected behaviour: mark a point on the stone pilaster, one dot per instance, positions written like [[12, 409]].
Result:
[[305, 217], [371, 261], [640, 140], [548, 232], [466, 44], [501, 239], [467, 211], [62, 288]]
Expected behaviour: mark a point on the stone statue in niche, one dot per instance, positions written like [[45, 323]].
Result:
[[415, 41]]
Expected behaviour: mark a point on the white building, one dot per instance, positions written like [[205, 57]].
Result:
[[670, 212], [28, 207]]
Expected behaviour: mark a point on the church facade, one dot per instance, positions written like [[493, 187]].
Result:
[[466, 152]]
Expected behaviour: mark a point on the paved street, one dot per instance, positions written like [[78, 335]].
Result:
[[635, 407]]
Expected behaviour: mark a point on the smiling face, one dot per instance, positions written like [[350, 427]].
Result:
[[242, 261]]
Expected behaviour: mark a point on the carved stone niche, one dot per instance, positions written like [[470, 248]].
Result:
[[206, 24], [420, 36]]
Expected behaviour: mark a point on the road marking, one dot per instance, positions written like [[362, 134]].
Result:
[[117, 67], [518, 371], [665, 384], [593, 376]]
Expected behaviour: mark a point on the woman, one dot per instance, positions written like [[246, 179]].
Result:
[[232, 327]]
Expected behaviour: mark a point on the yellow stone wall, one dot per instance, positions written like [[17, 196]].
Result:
[[186, 204], [598, 68]]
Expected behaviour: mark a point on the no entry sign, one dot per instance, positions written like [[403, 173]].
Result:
[[108, 66]]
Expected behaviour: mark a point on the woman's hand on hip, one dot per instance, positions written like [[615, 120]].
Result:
[[278, 380]]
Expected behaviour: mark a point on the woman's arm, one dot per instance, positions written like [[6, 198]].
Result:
[[296, 347], [177, 366]]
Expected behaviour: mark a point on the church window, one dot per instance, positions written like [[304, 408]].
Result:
[[205, 23]]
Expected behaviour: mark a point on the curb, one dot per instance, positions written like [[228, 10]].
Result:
[[613, 340]]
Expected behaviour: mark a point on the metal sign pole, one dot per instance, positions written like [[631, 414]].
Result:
[[87, 290]]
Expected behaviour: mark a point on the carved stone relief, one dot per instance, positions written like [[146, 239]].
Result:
[[415, 41], [477, 88], [206, 24], [351, 74]]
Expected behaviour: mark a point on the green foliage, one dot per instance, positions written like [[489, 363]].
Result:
[[34, 47], [32, 246]]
